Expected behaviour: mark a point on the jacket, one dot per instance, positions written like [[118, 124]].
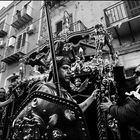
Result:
[[128, 114]]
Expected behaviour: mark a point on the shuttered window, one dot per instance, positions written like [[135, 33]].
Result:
[[133, 8], [70, 23], [61, 24], [133, 4], [23, 39], [19, 42], [58, 27], [2, 25]]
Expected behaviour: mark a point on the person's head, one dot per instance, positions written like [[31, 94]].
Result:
[[137, 74], [2, 92], [77, 82], [64, 70]]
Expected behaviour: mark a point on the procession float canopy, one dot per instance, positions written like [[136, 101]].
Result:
[[75, 45]]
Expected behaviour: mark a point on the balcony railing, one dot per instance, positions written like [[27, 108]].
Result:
[[74, 27], [133, 8], [115, 13], [13, 54], [22, 17], [121, 11], [77, 26]]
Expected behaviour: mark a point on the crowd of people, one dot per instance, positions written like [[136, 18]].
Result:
[[127, 115], [4, 101]]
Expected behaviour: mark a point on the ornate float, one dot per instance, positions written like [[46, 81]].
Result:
[[37, 115]]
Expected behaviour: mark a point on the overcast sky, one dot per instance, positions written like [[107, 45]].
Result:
[[4, 3]]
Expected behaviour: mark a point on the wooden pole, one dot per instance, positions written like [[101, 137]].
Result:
[[52, 48]]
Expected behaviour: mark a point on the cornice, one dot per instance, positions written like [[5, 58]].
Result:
[[6, 9]]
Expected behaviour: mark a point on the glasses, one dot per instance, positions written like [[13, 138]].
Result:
[[137, 73]]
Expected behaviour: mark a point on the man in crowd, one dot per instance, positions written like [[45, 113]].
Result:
[[128, 114], [3, 103], [64, 73], [59, 121]]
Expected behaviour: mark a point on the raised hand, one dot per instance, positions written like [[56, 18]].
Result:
[[106, 105], [94, 93], [11, 98]]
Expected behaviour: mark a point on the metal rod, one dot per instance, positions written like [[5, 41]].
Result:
[[52, 48]]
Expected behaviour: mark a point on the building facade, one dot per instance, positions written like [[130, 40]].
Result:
[[23, 29], [21, 26], [122, 20]]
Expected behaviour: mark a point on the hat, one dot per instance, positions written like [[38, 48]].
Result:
[[62, 60], [64, 49]]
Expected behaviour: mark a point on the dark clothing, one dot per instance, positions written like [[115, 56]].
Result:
[[50, 88], [1, 115], [129, 115], [49, 117], [1, 108]]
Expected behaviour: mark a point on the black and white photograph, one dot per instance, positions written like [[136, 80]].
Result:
[[70, 70]]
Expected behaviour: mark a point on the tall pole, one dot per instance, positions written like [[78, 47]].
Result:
[[52, 48]]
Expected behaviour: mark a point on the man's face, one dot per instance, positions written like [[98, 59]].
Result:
[[2, 93], [137, 74], [64, 73]]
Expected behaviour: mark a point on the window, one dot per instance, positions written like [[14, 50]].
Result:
[[134, 3], [58, 27], [133, 8], [18, 42], [21, 41], [66, 21], [70, 22], [25, 8], [2, 25], [18, 14]]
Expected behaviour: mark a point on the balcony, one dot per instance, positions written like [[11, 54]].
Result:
[[123, 18], [3, 29], [13, 54], [22, 17], [77, 26], [115, 13]]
